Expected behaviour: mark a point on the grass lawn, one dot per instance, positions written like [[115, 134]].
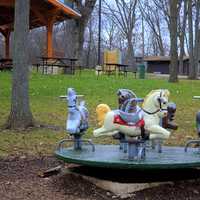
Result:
[[47, 108]]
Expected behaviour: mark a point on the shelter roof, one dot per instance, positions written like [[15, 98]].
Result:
[[40, 12]]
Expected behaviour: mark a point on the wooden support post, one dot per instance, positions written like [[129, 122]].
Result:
[[49, 38], [7, 44]]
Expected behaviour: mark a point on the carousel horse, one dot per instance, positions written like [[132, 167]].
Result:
[[77, 121], [196, 141], [123, 97], [154, 108]]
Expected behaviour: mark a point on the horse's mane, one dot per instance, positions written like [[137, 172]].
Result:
[[167, 93]]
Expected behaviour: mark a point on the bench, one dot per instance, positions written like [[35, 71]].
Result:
[[135, 74], [122, 69], [6, 64]]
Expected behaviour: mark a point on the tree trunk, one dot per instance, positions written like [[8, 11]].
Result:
[[160, 45], [130, 54], [89, 44], [20, 115], [197, 40], [81, 31], [71, 39], [182, 53], [173, 39], [160, 41], [191, 54], [182, 38]]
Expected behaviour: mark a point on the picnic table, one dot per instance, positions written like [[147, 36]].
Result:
[[121, 68], [6, 64], [113, 67], [66, 63]]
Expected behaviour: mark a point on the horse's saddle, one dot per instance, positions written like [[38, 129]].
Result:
[[130, 118], [118, 120]]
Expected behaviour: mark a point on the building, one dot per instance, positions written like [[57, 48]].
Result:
[[161, 64]]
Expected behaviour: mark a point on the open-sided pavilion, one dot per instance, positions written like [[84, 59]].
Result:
[[42, 13]]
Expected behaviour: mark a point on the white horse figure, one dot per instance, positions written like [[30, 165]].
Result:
[[154, 108]]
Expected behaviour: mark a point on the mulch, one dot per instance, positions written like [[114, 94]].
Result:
[[19, 180]]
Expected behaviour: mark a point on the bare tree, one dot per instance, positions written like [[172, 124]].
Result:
[[123, 13], [153, 18], [193, 38], [197, 41], [110, 29], [164, 8], [20, 115], [191, 43], [181, 33], [173, 41]]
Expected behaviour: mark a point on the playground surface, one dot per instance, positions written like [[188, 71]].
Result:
[[19, 180]]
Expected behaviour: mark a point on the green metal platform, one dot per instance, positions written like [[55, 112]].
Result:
[[109, 156]]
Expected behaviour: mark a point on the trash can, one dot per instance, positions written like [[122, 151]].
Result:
[[141, 69]]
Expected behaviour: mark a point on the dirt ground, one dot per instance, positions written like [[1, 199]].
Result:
[[19, 180]]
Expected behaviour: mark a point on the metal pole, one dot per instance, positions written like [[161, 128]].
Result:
[[99, 36]]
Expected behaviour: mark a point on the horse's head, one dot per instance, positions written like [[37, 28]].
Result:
[[101, 111], [156, 102], [71, 98], [124, 95]]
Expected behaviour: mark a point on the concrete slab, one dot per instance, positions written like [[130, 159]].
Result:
[[123, 190]]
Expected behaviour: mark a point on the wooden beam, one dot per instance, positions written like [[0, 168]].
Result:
[[38, 14], [52, 15], [7, 3]]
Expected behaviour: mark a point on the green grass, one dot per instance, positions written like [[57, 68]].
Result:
[[47, 108]]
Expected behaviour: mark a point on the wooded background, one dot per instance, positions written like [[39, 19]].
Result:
[[136, 28]]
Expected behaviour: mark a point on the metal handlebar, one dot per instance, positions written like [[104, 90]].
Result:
[[59, 146], [191, 142]]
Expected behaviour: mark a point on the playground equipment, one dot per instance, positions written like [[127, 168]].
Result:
[[133, 118], [197, 141], [138, 128], [77, 120]]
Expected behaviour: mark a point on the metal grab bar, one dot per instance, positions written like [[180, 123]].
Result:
[[59, 146], [191, 142]]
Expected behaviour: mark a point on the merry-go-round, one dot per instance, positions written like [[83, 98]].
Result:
[[140, 125]]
